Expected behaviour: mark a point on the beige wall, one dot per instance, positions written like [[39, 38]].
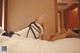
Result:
[[22, 12]]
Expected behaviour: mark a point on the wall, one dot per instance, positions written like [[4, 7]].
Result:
[[71, 17], [60, 20], [79, 12], [0, 12], [22, 12], [62, 16], [59, 23]]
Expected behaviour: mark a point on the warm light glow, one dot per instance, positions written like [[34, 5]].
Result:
[[3, 7], [75, 9]]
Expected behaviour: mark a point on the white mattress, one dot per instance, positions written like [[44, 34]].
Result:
[[27, 45]]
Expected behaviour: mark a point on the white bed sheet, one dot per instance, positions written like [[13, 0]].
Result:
[[27, 45]]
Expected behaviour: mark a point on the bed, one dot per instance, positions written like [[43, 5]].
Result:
[[28, 45]]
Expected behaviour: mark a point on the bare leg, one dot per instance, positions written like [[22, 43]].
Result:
[[61, 36], [69, 33]]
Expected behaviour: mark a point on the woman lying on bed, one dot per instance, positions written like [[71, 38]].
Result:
[[42, 28]]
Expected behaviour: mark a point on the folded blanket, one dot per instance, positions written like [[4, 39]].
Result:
[[28, 45]]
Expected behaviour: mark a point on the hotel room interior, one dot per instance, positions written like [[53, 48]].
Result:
[[16, 14]]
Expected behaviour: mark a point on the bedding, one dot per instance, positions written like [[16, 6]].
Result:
[[1, 31], [28, 45]]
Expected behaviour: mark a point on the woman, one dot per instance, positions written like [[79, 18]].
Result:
[[47, 24], [41, 28]]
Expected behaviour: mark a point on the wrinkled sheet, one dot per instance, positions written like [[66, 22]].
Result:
[[28, 45]]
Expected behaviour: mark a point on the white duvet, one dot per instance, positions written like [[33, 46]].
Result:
[[27, 45]]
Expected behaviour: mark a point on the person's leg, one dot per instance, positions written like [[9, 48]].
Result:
[[47, 23], [68, 33], [56, 35], [71, 33], [59, 36]]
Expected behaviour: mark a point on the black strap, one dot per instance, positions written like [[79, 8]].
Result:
[[33, 32], [30, 28], [28, 32], [35, 20], [37, 26], [36, 29], [10, 34]]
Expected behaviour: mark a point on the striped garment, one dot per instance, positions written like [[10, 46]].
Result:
[[34, 30]]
